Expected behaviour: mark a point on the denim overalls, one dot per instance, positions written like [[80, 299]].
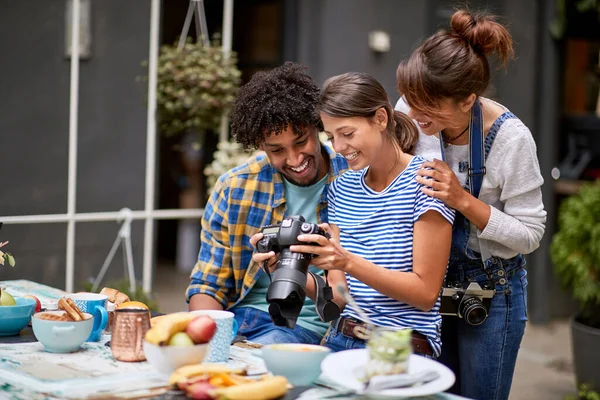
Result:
[[483, 357]]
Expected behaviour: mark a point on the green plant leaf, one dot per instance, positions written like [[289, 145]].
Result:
[[195, 85], [575, 247]]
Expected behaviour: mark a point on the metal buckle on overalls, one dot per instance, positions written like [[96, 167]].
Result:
[[473, 171]]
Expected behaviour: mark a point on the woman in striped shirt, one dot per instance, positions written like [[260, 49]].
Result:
[[390, 242]]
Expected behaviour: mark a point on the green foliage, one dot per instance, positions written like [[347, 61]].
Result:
[[6, 257], [585, 393], [122, 286], [575, 249], [559, 25], [195, 85]]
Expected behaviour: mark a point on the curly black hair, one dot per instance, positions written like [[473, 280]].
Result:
[[273, 100]]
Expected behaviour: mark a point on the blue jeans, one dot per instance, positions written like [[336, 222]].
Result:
[[257, 327], [483, 357]]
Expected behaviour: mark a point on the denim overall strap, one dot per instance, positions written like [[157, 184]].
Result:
[[461, 227], [477, 155]]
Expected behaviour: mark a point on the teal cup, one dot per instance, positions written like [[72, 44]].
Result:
[[94, 304], [227, 327]]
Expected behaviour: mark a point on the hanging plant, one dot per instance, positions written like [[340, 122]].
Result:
[[6, 257], [195, 86]]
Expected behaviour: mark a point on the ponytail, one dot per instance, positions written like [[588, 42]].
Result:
[[406, 132]]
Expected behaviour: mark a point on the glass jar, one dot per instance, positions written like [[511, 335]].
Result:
[[389, 351], [110, 308]]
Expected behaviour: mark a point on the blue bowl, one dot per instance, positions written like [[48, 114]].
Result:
[[14, 318]]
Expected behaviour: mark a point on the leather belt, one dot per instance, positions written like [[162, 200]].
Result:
[[358, 330]]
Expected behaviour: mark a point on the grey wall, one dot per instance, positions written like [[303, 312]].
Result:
[[34, 128], [333, 36]]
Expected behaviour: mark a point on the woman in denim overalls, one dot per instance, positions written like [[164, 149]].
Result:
[[491, 177]]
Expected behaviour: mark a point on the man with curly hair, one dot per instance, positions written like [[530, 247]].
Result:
[[274, 112]]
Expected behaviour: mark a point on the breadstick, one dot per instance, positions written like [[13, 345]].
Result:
[[63, 305]]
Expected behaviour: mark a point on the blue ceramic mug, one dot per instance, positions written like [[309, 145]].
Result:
[[227, 327], [95, 304]]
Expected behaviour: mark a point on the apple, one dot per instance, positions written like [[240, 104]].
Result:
[[6, 299], [38, 303], [200, 391], [180, 339], [201, 329]]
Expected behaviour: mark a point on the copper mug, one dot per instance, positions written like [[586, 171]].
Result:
[[127, 339]]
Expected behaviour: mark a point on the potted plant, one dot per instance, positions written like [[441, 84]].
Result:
[[575, 253], [195, 86]]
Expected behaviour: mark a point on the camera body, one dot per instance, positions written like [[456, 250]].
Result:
[[278, 237], [287, 291], [470, 302]]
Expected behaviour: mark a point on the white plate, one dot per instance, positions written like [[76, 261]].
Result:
[[346, 368]]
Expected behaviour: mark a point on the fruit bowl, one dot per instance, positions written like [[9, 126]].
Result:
[[14, 318], [166, 359]]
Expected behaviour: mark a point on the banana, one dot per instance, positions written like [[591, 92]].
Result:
[[266, 389], [189, 371], [167, 326]]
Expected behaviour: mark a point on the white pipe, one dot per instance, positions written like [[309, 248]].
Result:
[[187, 213], [227, 40], [151, 146], [73, 124], [227, 26]]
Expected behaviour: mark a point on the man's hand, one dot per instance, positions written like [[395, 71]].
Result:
[[270, 258]]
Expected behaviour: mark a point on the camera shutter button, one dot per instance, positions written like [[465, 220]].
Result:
[[305, 227]]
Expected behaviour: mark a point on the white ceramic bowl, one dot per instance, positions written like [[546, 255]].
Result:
[[299, 363], [61, 336], [166, 359]]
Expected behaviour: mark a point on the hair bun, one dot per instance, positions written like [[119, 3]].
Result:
[[462, 23], [483, 33]]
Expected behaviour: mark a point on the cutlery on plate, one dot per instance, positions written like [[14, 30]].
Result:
[[383, 382]]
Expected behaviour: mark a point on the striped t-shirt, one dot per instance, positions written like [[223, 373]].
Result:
[[378, 226]]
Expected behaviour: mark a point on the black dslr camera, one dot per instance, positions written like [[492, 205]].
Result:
[[471, 303], [287, 291]]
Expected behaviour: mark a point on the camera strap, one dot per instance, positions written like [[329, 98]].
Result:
[[265, 268], [476, 169], [327, 309]]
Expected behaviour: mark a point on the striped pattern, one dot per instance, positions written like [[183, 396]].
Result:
[[378, 226], [244, 199]]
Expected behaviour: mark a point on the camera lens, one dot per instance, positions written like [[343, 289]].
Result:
[[473, 311]]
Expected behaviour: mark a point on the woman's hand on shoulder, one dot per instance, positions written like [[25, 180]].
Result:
[[330, 254], [439, 181]]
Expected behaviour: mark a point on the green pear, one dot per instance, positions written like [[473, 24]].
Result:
[[6, 299], [181, 339]]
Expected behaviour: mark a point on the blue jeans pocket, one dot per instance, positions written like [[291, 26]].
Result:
[[524, 283]]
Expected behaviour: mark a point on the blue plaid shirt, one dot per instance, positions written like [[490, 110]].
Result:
[[244, 199]]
